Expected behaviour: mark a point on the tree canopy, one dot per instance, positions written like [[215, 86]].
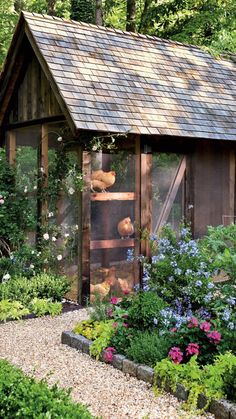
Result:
[[207, 23]]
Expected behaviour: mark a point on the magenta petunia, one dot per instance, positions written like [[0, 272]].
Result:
[[205, 326], [114, 300], [176, 355], [125, 325], [193, 322], [214, 337], [192, 349], [108, 354]]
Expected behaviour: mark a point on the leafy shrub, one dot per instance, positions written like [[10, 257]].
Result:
[[102, 341], [122, 338], [145, 310], [24, 397], [148, 348], [208, 380], [12, 310], [229, 386], [40, 307], [219, 246], [40, 286]]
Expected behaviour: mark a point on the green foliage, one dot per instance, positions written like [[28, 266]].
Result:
[[122, 338], [219, 246], [13, 310], [40, 307], [98, 309], [106, 332], [46, 286], [229, 386], [89, 328], [24, 397], [208, 380], [83, 10], [145, 308], [148, 348]]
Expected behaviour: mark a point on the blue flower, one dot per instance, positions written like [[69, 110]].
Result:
[[210, 285], [208, 298], [153, 237], [130, 255], [231, 301], [231, 326], [226, 314], [155, 321], [170, 278], [184, 232], [178, 271], [198, 283]]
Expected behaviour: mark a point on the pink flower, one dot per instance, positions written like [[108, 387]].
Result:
[[125, 325], [192, 349], [126, 292], [215, 337], [114, 300], [174, 329], [108, 354], [205, 326], [125, 316], [109, 312], [176, 355], [193, 322], [114, 325]]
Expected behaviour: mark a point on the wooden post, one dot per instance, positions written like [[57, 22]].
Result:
[[11, 147], [137, 209], [86, 228], [146, 199], [232, 183]]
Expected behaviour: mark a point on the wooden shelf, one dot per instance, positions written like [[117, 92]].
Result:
[[113, 196], [110, 244]]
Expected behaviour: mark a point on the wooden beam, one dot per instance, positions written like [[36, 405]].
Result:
[[137, 208], [232, 183], [11, 147], [86, 227], [113, 196], [171, 195], [43, 169], [38, 121], [110, 244]]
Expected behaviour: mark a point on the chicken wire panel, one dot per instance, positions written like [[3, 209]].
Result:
[[63, 209], [164, 170], [27, 148], [112, 223]]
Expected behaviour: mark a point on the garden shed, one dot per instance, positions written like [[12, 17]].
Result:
[[146, 126]]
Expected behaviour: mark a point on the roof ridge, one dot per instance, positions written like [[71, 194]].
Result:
[[114, 30]]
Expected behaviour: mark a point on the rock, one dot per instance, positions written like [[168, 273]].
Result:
[[130, 367], [66, 337], [117, 361], [77, 342], [233, 412], [202, 401], [181, 393], [220, 408], [145, 373], [86, 346]]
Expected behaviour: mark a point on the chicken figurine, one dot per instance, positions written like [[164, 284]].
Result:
[[101, 180], [125, 228], [101, 289]]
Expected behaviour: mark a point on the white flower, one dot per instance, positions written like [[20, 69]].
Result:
[[2, 201], [11, 256], [32, 252], [76, 227], [41, 169], [54, 239], [26, 189], [59, 139], [46, 236], [71, 191], [50, 214], [39, 254], [59, 257], [6, 277], [31, 266], [35, 187], [66, 235]]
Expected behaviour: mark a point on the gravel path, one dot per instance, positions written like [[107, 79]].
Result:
[[34, 345]]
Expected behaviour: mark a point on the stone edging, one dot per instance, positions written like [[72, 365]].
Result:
[[222, 409]]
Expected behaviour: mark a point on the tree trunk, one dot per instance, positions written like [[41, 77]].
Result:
[[98, 13], [51, 7], [130, 16], [18, 5], [143, 21]]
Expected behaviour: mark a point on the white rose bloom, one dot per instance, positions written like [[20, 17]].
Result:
[[31, 266], [6, 277], [76, 227], [2, 201], [26, 189], [59, 139], [50, 214], [66, 235], [71, 191], [46, 236], [59, 257], [54, 239], [35, 187]]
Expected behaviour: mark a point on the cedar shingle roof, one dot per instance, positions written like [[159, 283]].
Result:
[[116, 81]]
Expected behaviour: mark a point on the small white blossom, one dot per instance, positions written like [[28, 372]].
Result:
[[50, 214], [66, 235], [35, 187], [39, 254], [31, 266], [6, 277], [71, 191], [76, 227], [59, 257], [2, 201], [41, 169], [26, 189], [32, 252], [46, 236], [59, 139], [54, 239]]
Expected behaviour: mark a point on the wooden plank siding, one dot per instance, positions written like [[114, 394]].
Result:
[[34, 98]]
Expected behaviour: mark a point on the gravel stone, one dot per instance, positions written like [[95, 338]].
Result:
[[35, 346], [233, 412]]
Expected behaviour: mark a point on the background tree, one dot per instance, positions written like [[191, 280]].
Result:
[[131, 16], [83, 10]]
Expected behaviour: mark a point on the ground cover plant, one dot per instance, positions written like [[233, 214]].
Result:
[[23, 396], [183, 320]]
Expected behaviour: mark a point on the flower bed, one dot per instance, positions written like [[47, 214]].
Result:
[[182, 323]]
